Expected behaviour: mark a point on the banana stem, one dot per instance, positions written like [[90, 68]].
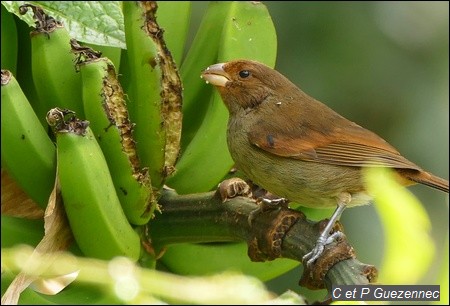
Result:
[[281, 232], [200, 218]]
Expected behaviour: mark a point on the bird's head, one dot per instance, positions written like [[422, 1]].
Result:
[[245, 84]]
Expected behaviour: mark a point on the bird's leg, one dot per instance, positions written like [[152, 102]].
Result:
[[325, 238]]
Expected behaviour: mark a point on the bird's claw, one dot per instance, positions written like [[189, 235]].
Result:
[[318, 249], [232, 188], [274, 203], [266, 204]]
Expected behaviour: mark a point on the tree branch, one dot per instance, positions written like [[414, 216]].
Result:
[[275, 233]]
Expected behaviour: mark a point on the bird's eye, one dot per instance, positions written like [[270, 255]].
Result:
[[244, 74]]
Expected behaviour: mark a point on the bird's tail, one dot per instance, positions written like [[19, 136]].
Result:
[[430, 180]]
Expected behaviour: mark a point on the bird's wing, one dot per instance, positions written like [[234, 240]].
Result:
[[341, 143]]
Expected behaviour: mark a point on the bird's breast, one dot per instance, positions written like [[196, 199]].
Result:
[[310, 184]]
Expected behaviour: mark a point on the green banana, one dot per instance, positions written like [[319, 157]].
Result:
[[105, 107], [202, 53], [21, 231], [143, 91], [24, 75], [222, 257], [175, 33], [174, 18], [27, 152], [206, 160], [248, 32], [9, 41], [54, 75], [154, 91], [93, 209], [113, 53], [124, 71]]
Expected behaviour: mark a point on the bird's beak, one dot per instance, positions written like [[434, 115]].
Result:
[[215, 75]]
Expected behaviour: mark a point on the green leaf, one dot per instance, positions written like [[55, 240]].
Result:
[[13, 7], [95, 22], [409, 247]]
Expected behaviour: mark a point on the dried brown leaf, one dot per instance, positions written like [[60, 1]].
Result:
[[15, 202], [58, 237]]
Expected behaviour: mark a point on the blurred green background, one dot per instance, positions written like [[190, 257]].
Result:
[[384, 65]]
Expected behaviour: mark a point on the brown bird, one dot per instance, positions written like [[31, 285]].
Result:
[[298, 148]]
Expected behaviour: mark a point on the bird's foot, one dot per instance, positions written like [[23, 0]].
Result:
[[315, 269], [266, 204], [318, 249], [232, 188], [326, 237], [270, 204]]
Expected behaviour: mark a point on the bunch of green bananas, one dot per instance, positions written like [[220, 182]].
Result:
[[122, 133]]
